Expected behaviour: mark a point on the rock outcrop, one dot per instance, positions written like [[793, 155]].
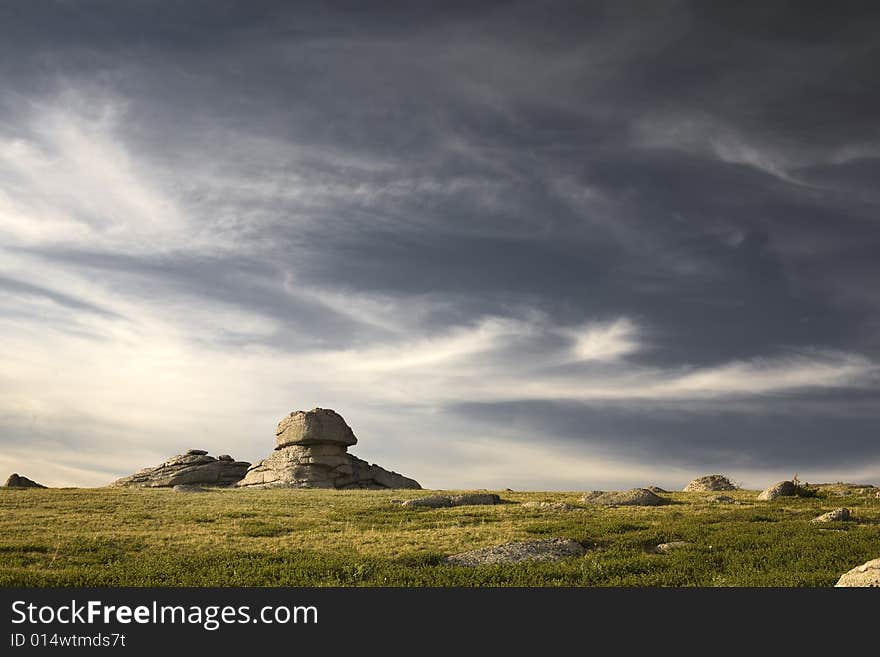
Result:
[[548, 549], [781, 489], [706, 483], [868, 574], [311, 451], [17, 481], [634, 497], [191, 469]]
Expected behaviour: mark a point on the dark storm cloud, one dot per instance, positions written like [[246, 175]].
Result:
[[708, 172], [775, 435]]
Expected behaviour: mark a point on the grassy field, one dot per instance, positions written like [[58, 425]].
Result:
[[131, 537]]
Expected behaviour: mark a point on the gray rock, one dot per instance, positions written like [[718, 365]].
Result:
[[550, 506], [225, 457], [193, 468], [721, 499], [15, 480], [657, 489], [634, 497], [868, 574], [665, 548], [550, 549], [781, 489], [441, 501], [833, 516], [706, 483], [311, 451]]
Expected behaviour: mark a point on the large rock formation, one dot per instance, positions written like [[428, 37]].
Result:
[[17, 481], [713, 482], [311, 451], [193, 468]]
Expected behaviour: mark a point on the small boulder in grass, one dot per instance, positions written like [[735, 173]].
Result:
[[550, 506], [868, 574], [442, 501], [838, 515], [665, 548], [634, 497], [540, 550]]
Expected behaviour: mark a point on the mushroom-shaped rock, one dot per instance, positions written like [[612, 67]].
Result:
[[311, 451]]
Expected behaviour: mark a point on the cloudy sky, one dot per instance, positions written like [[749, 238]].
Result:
[[535, 245]]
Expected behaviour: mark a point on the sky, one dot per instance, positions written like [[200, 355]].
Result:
[[536, 245]]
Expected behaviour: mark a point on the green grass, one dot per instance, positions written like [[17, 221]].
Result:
[[131, 537]]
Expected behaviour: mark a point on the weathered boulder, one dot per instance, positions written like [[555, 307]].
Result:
[[868, 574], [833, 516], [657, 489], [15, 480], [441, 501], [549, 549], [713, 482], [721, 499], [781, 489], [634, 497], [193, 468], [319, 426], [311, 451]]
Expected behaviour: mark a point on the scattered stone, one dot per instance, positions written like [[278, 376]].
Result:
[[311, 451], [548, 549], [17, 481], [193, 468], [868, 574], [721, 499], [189, 488], [550, 506], [634, 497], [781, 489], [441, 501], [657, 489], [665, 548], [225, 457], [833, 516], [710, 483]]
